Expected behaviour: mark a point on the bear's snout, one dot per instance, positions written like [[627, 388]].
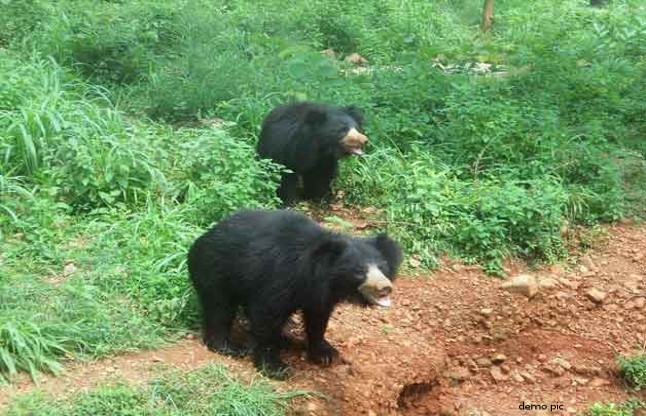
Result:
[[354, 141], [377, 287]]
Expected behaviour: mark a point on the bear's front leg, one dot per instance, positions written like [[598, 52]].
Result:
[[288, 190], [318, 349], [317, 183]]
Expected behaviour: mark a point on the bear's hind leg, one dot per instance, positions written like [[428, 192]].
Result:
[[266, 329], [219, 313]]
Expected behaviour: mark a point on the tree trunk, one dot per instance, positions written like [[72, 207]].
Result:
[[487, 15]]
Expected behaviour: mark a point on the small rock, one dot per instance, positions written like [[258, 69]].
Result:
[[542, 357], [557, 269], [569, 284], [547, 283], [458, 373], [497, 374], [517, 377], [447, 411], [563, 363], [587, 262], [640, 303], [555, 370], [523, 284], [586, 371], [483, 362], [596, 295], [580, 381], [598, 382], [371, 413], [356, 59], [498, 358], [329, 53], [528, 377], [414, 263], [486, 311], [69, 269]]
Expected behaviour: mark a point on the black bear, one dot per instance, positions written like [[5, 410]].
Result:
[[309, 139], [275, 263]]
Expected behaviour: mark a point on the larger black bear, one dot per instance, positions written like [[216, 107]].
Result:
[[275, 263], [309, 139]]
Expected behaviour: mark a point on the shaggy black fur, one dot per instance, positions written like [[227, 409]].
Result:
[[273, 264], [306, 138]]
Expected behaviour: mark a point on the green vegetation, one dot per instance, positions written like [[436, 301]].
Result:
[[634, 370], [626, 408], [208, 391], [126, 128]]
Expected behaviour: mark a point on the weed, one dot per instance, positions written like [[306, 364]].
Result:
[[633, 370], [626, 408]]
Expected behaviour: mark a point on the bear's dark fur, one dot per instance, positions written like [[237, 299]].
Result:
[[275, 263], [309, 139]]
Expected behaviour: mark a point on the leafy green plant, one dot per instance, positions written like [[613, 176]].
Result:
[[633, 370], [435, 210], [626, 408]]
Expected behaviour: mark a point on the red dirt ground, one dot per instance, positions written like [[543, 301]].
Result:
[[454, 343]]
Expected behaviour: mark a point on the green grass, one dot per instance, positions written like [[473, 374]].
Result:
[[111, 159], [626, 408], [208, 391], [633, 370]]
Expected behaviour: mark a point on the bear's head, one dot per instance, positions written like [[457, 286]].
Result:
[[340, 126], [361, 270]]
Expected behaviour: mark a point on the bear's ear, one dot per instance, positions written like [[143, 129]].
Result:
[[391, 251], [315, 116], [329, 251], [356, 113]]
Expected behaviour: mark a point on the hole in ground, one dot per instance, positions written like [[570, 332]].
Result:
[[416, 393]]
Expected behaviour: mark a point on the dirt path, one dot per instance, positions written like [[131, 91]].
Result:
[[454, 343]]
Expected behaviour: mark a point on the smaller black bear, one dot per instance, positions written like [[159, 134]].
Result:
[[275, 263], [309, 139]]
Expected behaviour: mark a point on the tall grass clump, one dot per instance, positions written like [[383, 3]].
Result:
[[31, 347], [59, 133]]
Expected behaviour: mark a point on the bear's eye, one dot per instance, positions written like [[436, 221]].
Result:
[[360, 273]]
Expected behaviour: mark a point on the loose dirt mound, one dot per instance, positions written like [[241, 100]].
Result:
[[455, 343]]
